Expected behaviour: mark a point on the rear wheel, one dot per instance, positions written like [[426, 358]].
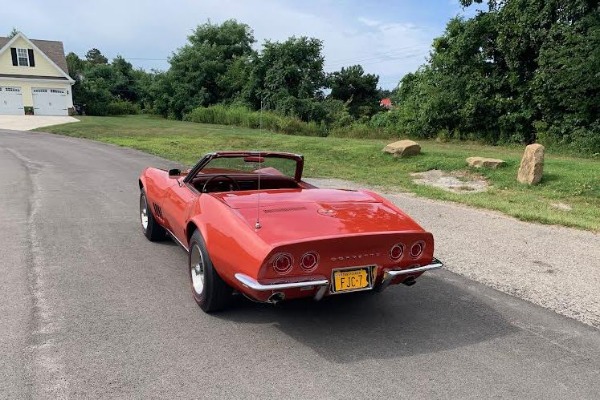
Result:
[[208, 288], [151, 228]]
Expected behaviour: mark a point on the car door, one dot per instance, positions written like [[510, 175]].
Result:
[[176, 208]]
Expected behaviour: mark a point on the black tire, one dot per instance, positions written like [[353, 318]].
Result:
[[215, 294], [150, 226]]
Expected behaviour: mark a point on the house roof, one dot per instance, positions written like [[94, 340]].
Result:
[[33, 77], [386, 102], [53, 49]]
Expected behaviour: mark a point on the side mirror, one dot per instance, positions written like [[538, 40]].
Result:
[[175, 172]]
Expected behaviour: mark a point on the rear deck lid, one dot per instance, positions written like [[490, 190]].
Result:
[[298, 215]]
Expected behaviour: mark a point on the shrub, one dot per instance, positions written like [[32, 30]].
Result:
[[586, 141], [575, 140], [97, 109], [242, 116], [363, 131], [122, 107]]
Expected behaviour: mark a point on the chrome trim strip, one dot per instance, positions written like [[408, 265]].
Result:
[[389, 275], [191, 187], [177, 240], [435, 264], [255, 285]]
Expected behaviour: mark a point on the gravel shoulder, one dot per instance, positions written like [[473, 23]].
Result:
[[551, 266]]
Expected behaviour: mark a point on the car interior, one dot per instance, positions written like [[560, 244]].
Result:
[[236, 182]]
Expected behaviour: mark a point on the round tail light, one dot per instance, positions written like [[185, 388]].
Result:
[[282, 263], [417, 249], [309, 261], [397, 251]]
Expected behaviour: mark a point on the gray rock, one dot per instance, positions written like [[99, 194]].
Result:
[[403, 148], [483, 162], [532, 165]]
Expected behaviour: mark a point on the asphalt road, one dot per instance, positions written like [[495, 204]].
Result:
[[90, 309]]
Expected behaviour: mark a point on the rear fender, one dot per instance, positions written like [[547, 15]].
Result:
[[232, 245], [394, 207]]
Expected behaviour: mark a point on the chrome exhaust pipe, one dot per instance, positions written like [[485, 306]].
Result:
[[276, 297], [409, 281]]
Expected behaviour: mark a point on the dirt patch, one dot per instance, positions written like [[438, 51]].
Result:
[[455, 182]]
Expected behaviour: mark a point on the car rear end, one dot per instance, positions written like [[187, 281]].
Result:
[[328, 242], [338, 265]]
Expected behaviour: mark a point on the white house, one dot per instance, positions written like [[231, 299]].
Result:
[[34, 75]]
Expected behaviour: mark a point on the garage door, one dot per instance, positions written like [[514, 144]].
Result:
[[11, 101], [49, 101]]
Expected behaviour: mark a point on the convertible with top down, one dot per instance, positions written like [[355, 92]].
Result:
[[251, 225]]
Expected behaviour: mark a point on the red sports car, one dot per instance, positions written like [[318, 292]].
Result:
[[251, 224]]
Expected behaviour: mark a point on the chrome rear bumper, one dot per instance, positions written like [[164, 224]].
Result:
[[389, 275], [323, 284], [253, 284]]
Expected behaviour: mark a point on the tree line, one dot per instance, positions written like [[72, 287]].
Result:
[[218, 65], [517, 72]]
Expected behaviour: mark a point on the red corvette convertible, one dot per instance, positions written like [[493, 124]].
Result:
[[251, 224]]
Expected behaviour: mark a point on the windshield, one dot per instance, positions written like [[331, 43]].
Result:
[[251, 164]]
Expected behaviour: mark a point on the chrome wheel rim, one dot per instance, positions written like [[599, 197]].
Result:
[[144, 212], [197, 269]]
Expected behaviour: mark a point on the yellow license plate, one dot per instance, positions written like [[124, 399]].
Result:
[[354, 279]]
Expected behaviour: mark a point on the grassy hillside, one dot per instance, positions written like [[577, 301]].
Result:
[[572, 181]]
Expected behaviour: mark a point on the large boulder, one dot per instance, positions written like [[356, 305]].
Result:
[[482, 162], [532, 165], [403, 148]]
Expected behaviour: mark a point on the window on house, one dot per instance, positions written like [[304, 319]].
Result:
[[23, 57]]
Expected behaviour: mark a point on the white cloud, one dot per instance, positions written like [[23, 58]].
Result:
[[369, 22], [388, 49]]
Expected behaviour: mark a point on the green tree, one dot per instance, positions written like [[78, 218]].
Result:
[[357, 89], [521, 69], [566, 86], [125, 85], [162, 97], [451, 95], [94, 56], [208, 70], [76, 67], [108, 88], [95, 88], [288, 77]]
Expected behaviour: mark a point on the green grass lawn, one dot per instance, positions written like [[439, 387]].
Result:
[[572, 181]]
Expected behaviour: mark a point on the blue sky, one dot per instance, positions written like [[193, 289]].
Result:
[[389, 38]]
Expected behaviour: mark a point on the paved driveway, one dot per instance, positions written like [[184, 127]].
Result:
[[29, 122], [90, 309]]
